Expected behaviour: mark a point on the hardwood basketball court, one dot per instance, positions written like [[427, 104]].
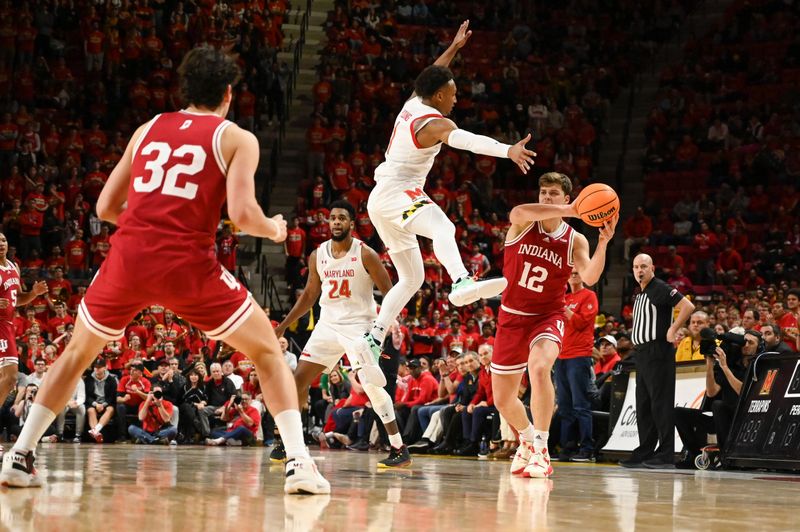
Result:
[[145, 489]]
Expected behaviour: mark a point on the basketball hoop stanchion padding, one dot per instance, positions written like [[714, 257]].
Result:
[[765, 432]]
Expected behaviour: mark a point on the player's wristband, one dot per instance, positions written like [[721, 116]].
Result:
[[464, 140]]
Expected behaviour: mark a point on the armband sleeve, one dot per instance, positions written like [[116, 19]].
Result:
[[464, 140]]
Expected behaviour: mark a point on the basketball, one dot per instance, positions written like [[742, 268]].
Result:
[[596, 204]]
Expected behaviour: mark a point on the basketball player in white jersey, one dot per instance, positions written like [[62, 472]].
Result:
[[399, 208], [341, 273]]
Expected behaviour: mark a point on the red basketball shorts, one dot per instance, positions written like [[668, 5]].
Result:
[[516, 335], [197, 289], [8, 344]]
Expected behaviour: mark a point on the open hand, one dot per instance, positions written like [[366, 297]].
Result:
[[522, 156], [462, 35], [39, 288], [607, 230]]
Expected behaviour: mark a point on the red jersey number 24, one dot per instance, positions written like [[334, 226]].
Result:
[[168, 181]]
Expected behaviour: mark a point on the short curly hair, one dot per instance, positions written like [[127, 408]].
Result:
[[431, 80], [205, 74]]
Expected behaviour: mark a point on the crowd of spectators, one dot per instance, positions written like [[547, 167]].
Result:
[[721, 163]]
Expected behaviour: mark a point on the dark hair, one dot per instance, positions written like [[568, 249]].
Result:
[[756, 314], [39, 359], [794, 292], [342, 204], [205, 74], [776, 329], [431, 80]]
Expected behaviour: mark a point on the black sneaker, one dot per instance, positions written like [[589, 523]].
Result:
[[631, 463], [278, 453], [657, 463], [360, 445], [582, 456], [397, 458]]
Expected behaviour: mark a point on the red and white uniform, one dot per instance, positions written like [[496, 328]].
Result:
[[537, 266], [398, 194], [10, 286], [175, 196]]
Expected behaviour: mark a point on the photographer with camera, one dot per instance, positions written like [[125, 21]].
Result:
[[727, 358], [155, 413], [243, 420]]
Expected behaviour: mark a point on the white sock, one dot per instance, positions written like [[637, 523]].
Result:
[[540, 440], [396, 440], [527, 434], [378, 332], [39, 418], [98, 428], [291, 428]]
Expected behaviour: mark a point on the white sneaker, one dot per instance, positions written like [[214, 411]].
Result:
[[215, 442], [467, 290], [233, 442], [521, 459], [303, 478], [539, 466], [18, 470]]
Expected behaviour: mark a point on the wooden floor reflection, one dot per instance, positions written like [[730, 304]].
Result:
[[146, 489]]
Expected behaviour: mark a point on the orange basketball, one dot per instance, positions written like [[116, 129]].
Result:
[[597, 203]]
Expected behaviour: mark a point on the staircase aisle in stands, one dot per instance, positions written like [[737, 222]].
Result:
[[292, 161], [631, 182]]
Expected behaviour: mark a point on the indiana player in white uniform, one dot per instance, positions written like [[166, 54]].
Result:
[[11, 295], [341, 274], [399, 208]]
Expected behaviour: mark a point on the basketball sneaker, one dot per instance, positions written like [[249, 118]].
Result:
[[303, 478], [397, 458], [18, 470], [368, 345], [278, 453], [521, 458], [466, 290], [539, 465]]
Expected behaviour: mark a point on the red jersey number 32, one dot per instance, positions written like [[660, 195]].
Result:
[[170, 181]]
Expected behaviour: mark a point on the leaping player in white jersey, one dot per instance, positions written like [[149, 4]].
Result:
[[341, 273], [400, 210]]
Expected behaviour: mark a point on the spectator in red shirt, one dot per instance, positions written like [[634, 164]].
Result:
[[422, 388], [473, 418], [607, 345], [680, 282], [243, 421], [30, 228], [155, 414], [729, 265], [246, 108], [132, 391], [101, 245], [423, 336], [58, 325], [320, 231], [573, 371], [295, 248], [706, 245], [637, 231]]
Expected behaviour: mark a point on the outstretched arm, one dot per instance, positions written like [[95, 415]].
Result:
[[445, 130], [528, 213], [462, 36], [307, 299], [23, 298]]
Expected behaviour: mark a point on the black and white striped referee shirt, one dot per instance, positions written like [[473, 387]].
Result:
[[652, 312]]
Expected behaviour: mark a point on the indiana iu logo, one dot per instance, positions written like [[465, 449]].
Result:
[[3, 345], [769, 380]]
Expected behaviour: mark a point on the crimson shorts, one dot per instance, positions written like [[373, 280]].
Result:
[[197, 289], [516, 335], [8, 344]]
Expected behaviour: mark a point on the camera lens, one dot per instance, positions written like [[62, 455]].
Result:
[[158, 394]]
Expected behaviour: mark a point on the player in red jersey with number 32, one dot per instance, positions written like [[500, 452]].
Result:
[[165, 195], [540, 252]]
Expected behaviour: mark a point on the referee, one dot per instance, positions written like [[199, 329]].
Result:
[[652, 335]]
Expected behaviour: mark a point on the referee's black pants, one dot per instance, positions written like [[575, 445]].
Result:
[[655, 401]]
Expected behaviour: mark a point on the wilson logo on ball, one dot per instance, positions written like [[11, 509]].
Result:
[[601, 215]]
